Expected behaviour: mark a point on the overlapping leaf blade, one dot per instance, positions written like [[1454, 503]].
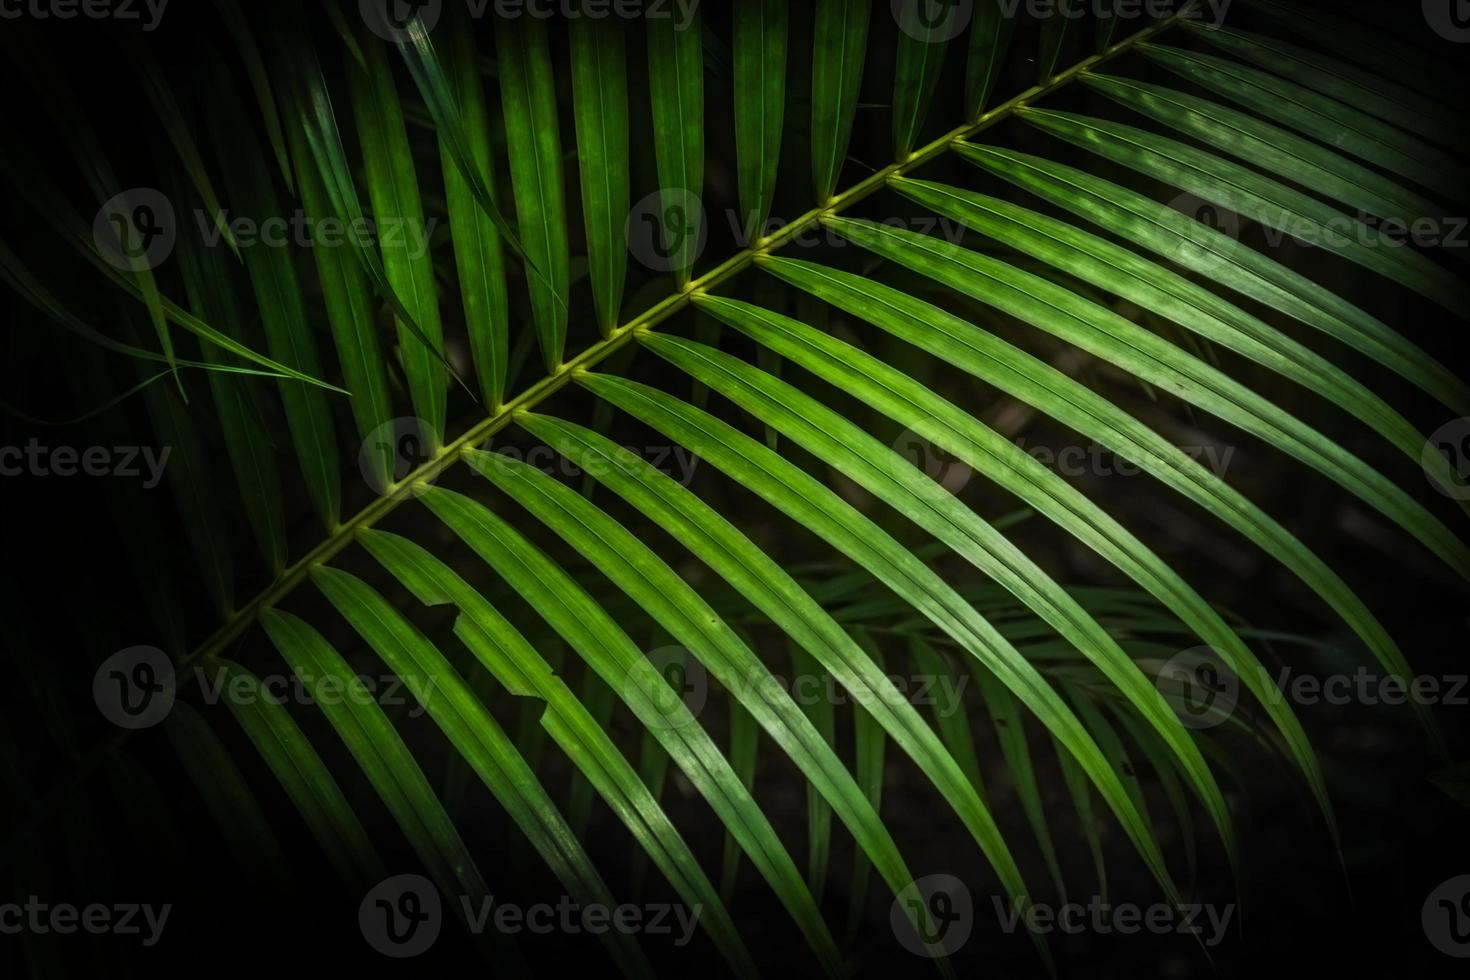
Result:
[[505, 652], [1249, 194], [1023, 376], [479, 739], [839, 46], [676, 88], [760, 106], [533, 142], [770, 589], [1221, 259], [606, 648], [1146, 355], [402, 250], [677, 607], [1328, 120], [815, 506], [889, 477], [600, 105], [1154, 287], [1283, 153]]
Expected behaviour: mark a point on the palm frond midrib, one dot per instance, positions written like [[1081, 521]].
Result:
[[619, 336]]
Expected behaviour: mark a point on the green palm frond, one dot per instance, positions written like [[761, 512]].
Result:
[[583, 169]]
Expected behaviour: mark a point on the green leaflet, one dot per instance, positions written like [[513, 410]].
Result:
[[676, 88], [533, 142], [1081, 795], [1036, 383], [771, 590], [1270, 147], [990, 39], [248, 445], [348, 34], [386, 762], [1221, 259], [347, 297], [1144, 354], [760, 103], [839, 47], [1112, 745], [950, 718], [445, 90], [677, 607], [653, 770], [1122, 272], [744, 743], [1345, 83], [1389, 57], [1056, 24], [388, 766], [378, 749], [465, 141], [818, 508], [807, 678], [600, 106], [324, 144], [1248, 193], [1106, 28], [55, 93], [606, 648], [597, 701], [921, 50], [285, 372], [15, 275], [848, 449], [1010, 729], [1163, 766], [288, 331], [479, 739], [407, 270], [37, 188], [530, 737], [869, 745], [303, 775], [478, 253], [504, 652], [1333, 123]]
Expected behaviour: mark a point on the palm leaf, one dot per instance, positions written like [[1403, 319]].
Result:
[[821, 540]]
